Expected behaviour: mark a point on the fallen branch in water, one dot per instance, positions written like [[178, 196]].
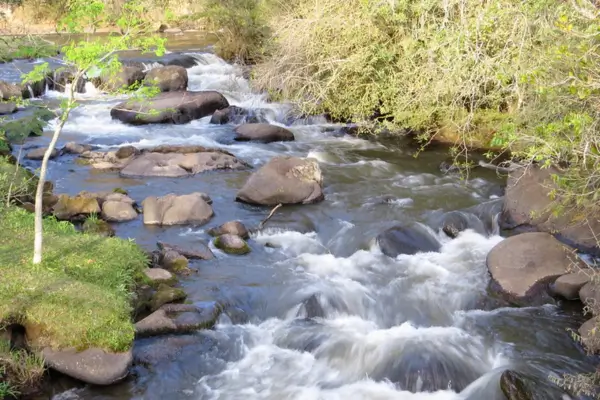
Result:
[[260, 226]]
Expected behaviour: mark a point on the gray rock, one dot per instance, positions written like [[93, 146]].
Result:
[[232, 244], [264, 133], [93, 366], [159, 275], [38, 154], [76, 148], [127, 77], [200, 252], [170, 107], [189, 209], [166, 294], [232, 227], [407, 239], [170, 78], [523, 266], [590, 296], [7, 108], [589, 333], [284, 180], [235, 115], [177, 318], [118, 211], [568, 286]]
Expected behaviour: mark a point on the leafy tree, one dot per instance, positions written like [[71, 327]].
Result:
[[83, 56]]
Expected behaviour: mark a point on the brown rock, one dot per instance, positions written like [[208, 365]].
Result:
[[522, 266], [76, 148], [166, 294], [284, 180], [177, 210], [568, 285], [201, 252], [10, 90], [126, 152], [177, 318], [590, 296], [69, 208], [7, 108], [527, 204], [589, 335], [158, 275], [170, 78], [93, 366], [170, 107], [264, 133], [127, 76], [173, 261], [232, 227]]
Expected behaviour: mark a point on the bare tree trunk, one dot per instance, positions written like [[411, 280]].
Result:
[[39, 193]]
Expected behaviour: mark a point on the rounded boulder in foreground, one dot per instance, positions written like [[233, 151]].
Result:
[[523, 266], [264, 133]]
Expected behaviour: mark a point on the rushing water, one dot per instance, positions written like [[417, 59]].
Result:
[[416, 327]]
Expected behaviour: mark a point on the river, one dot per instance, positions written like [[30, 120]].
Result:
[[413, 328]]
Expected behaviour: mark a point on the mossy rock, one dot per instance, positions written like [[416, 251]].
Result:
[[173, 261], [98, 227], [232, 244], [70, 208], [166, 294], [120, 191]]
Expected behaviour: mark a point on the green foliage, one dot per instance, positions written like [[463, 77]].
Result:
[[16, 183], [80, 295], [19, 370], [240, 26], [25, 47], [17, 130]]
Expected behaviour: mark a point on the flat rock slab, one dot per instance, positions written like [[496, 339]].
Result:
[[178, 318], [201, 252], [187, 209], [264, 133], [170, 107], [175, 165], [284, 180], [93, 366], [522, 266], [158, 275]]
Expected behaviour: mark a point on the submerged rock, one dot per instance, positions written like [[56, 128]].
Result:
[[232, 227], [188, 209], [38, 154], [523, 266], [264, 133], [284, 180], [513, 387], [528, 204], [170, 78], [170, 107], [178, 318], [407, 239], [455, 222], [93, 366], [166, 294], [232, 244]]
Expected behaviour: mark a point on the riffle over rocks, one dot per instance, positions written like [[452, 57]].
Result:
[[284, 180], [170, 107], [528, 206], [523, 266]]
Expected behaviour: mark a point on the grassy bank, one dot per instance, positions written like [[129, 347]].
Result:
[[80, 296]]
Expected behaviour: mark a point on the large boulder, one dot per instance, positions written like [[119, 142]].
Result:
[[407, 239], [264, 133], [171, 78], [94, 366], [127, 77], [9, 91], [178, 164], [284, 180], [170, 107], [589, 294], [528, 205], [76, 207], [38, 154], [7, 108], [523, 266], [177, 210]]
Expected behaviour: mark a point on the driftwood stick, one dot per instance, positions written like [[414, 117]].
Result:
[[260, 226]]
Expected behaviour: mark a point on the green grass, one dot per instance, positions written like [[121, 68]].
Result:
[[79, 296], [19, 370]]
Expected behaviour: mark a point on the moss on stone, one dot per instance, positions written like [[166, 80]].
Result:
[[164, 295]]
